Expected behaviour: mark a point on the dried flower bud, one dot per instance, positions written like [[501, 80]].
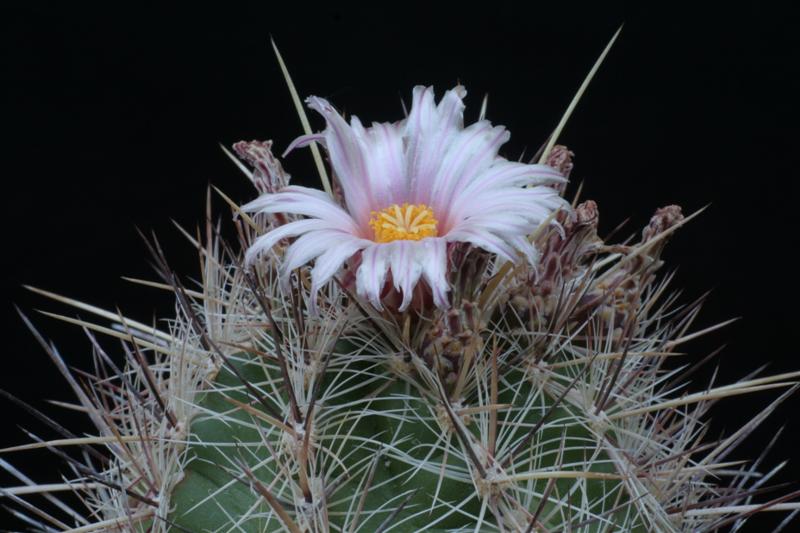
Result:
[[560, 158], [663, 219], [268, 174], [587, 213]]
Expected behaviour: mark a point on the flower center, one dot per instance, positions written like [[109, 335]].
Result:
[[406, 222]]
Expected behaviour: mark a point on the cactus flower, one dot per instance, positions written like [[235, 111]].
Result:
[[409, 188]]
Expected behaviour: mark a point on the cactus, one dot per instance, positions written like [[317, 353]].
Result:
[[539, 394]]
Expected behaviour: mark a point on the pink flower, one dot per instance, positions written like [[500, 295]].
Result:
[[409, 189]]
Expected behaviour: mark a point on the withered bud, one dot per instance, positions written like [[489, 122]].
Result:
[[663, 219], [587, 213], [454, 321], [268, 174], [560, 158]]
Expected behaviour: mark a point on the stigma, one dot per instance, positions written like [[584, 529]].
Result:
[[403, 222]]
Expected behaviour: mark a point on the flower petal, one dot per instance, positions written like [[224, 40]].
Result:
[[385, 162], [429, 129], [434, 269], [469, 153], [532, 204], [304, 140], [503, 174], [327, 264], [523, 245], [346, 152], [371, 274], [292, 229], [483, 239], [312, 245], [406, 259], [304, 201]]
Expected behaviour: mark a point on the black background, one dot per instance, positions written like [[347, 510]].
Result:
[[112, 116]]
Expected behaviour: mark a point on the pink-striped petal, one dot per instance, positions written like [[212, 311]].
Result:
[[429, 131], [310, 246], [483, 239], [303, 141], [504, 174], [292, 229], [304, 201], [434, 269], [329, 263], [533, 204], [470, 152], [523, 245], [385, 161], [371, 274], [346, 152], [406, 259]]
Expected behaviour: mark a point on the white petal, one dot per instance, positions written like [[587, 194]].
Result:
[[292, 229], [304, 140], [524, 246], [505, 173], [371, 274], [434, 269], [533, 204], [310, 246], [429, 130], [304, 201], [406, 260], [469, 153], [483, 239], [346, 152], [327, 264], [386, 164], [509, 223]]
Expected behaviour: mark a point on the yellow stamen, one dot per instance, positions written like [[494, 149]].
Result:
[[406, 222]]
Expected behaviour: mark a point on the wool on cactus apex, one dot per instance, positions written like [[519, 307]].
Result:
[[437, 339]]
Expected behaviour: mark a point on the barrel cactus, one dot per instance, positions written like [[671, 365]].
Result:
[[438, 341]]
